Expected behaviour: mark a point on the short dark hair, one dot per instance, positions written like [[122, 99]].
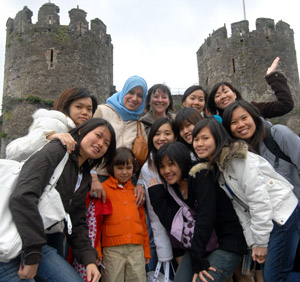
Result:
[[79, 133], [211, 98], [68, 96], [154, 128], [186, 114], [176, 152], [164, 88], [192, 89], [259, 133], [122, 157]]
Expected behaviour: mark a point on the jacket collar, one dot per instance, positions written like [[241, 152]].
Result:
[[197, 168], [113, 183], [238, 150]]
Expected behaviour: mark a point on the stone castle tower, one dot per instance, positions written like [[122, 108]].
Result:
[[45, 58], [243, 60]]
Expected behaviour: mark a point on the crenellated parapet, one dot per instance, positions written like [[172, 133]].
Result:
[[243, 58], [44, 58]]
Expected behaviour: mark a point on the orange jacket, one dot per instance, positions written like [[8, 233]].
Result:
[[127, 223]]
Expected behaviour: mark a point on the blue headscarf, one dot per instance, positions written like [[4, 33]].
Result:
[[116, 100]]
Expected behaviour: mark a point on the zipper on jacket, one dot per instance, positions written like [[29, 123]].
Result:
[[230, 177]]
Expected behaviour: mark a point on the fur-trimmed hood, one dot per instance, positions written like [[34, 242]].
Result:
[[196, 168], [237, 151]]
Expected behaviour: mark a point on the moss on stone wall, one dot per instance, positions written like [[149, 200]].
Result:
[[61, 35]]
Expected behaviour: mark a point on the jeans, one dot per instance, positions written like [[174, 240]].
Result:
[[282, 248], [153, 262], [52, 268], [223, 261]]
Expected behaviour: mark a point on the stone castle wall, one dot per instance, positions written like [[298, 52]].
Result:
[[45, 58], [243, 59]]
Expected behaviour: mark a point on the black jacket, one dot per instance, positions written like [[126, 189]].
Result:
[[33, 178], [284, 103], [214, 210]]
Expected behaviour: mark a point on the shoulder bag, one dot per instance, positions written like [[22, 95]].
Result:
[[50, 207], [183, 225], [140, 146]]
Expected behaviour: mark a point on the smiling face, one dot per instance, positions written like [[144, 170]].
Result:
[[186, 132], [94, 144], [195, 100], [81, 110], [163, 135], [242, 124], [159, 102], [124, 172], [204, 144], [133, 99], [170, 171], [224, 97]]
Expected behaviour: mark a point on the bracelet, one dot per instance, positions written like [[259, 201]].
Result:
[[95, 180]]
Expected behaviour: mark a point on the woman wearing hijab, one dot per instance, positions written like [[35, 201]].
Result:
[[123, 110]]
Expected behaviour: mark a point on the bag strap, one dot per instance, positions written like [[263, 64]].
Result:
[[235, 197], [176, 198], [52, 183], [138, 128], [272, 146], [57, 172], [166, 266]]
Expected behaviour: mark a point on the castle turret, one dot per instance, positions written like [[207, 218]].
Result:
[[78, 21], [243, 59], [43, 59], [48, 15], [22, 20], [240, 29]]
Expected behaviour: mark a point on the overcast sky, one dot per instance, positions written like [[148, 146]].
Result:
[[158, 39]]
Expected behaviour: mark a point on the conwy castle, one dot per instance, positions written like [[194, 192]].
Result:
[[45, 58]]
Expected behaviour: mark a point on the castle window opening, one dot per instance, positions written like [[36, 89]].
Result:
[[51, 58], [50, 20], [233, 66]]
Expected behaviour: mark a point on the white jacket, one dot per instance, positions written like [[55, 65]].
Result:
[[268, 195], [160, 235], [44, 121]]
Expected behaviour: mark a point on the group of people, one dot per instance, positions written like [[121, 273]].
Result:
[[210, 190]]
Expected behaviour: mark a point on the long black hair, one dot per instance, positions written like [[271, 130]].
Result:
[[192, 89], [259, 133], [211, 105], [219, 134], [79, 133], [154, 128]]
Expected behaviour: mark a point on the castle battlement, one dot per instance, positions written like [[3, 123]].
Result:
[[264, 28], [243, 58], [43, 59], [48, 18]]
